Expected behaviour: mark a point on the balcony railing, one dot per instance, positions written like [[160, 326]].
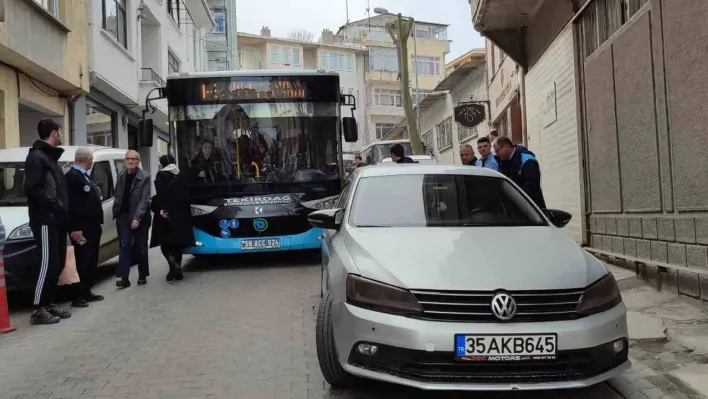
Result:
[[149, 75]]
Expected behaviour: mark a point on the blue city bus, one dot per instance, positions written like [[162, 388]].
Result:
[[263, 149]]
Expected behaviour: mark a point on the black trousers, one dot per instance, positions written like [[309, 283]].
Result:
[[172, 251], [133, 247], [51, 242], [87, 258]]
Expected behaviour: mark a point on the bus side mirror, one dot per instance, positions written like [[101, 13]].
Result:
[[145, 133], [350, 129]]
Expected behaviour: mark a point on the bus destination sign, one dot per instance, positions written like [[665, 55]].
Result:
[[272, 89]]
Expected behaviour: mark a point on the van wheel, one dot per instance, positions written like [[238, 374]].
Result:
[[332, 371]]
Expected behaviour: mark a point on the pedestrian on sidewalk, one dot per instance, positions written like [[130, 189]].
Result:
[[131, 210], [48, 208], [85, 220], [172, 229], [520, 165]]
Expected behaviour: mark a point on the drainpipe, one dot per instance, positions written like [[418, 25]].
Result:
[[522, 103]]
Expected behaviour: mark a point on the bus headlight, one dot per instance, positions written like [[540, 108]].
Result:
[[23, 232], [201, 210], [322, 203]]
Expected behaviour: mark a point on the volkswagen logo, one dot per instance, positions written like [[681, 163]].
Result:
[[260, 225], [503, 306]]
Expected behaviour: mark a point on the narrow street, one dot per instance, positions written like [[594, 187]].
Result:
[[226, 331]]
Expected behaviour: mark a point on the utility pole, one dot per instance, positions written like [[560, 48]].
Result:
[[400, 31]]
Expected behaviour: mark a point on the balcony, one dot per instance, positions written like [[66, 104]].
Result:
[[149, 76], [200, 13], [381, 76]]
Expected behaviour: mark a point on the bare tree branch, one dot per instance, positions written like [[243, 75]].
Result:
[[302, 35]]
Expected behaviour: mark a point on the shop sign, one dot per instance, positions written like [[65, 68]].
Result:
[[470, 115]]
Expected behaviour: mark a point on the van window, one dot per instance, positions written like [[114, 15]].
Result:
[[102, 177], [120, 166], [12, 182]]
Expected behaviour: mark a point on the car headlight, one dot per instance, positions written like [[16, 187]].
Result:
[[380, 297], [602, 295], [21, 233]]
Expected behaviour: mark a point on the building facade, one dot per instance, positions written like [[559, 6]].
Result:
[[266, 52], [427, 46], [222, 41], [465, 82], [504, 80], [44, 65], [639, 106], [134, 45]]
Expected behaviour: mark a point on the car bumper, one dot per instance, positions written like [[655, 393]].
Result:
[[21, 263], [207, 244], [420, 353]]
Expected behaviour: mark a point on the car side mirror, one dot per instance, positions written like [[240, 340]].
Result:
[[328, 219], [351, 134], [557, 217]]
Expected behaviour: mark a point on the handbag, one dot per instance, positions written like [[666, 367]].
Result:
[[69, 275]]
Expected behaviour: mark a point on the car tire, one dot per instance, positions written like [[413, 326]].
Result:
[[332, 371]]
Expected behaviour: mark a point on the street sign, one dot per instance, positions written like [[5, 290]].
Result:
[[469, 115]]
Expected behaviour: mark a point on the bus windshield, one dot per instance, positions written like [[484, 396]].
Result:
[[254, 145]]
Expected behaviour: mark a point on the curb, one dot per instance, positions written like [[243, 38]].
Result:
[[634, 384]]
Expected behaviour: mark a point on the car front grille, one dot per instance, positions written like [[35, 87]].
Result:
[[475, 306]]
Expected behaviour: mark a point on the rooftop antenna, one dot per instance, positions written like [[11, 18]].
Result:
[[368, 12], [347, 5]]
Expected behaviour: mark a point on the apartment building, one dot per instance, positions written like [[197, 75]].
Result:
[[222, 41], [43, 65], [264, 51], [465, 83], [428, 46], [133, 46], [504, 83]]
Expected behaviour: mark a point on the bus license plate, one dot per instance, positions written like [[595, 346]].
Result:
[[260, 243], [490, 348]]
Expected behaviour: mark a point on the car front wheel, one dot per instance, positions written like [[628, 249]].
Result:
[[332, 371]]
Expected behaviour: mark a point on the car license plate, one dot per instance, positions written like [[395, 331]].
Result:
[[505, 348], [260, 243]]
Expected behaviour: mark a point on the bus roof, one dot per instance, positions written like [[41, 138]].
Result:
[[252, 72]]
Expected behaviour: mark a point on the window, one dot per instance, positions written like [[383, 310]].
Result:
[[220, 20], [387, 98], [430, 32], [601, 19], [383, 59], [335, 61], [217, 60], [465, 133], [103, 179], [428, 140], [427, 66], [99, 125], [285, 56], [173, 10], [440, 200], [173, 63], [382, 129], [114, 20], [445, 134], [120, 166], [343, 199], [51, 6]]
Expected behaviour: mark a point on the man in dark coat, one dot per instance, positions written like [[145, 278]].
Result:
[[48, 206], [85, 220], [520, 165], [172, 229], [398, 155]]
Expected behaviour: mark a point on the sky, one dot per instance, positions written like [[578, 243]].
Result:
[[283, 16]]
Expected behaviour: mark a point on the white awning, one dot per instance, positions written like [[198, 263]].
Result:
[[199, 11]]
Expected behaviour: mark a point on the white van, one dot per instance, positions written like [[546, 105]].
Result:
[[21, 259]]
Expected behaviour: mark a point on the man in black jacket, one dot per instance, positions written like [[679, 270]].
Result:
[[521, 166], [47, 202], [85, 220], [398, 154]]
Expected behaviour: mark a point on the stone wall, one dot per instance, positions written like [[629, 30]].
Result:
[[677, 240]]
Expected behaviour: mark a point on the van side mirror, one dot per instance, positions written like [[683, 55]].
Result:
[[350, 130], [557, 217], [145, 135]]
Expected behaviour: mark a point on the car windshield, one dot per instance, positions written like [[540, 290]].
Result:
[[440, 200], [12, 182]]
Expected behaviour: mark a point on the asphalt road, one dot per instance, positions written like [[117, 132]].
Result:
[[234, 328]]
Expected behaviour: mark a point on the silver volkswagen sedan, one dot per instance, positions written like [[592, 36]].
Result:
[[450, 278]]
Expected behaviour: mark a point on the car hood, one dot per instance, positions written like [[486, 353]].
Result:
[[472, 258], [13, 217]]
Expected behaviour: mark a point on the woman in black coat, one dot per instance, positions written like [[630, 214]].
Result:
[[172, 226]]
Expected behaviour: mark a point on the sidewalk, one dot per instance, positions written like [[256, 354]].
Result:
[[668, 342]]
